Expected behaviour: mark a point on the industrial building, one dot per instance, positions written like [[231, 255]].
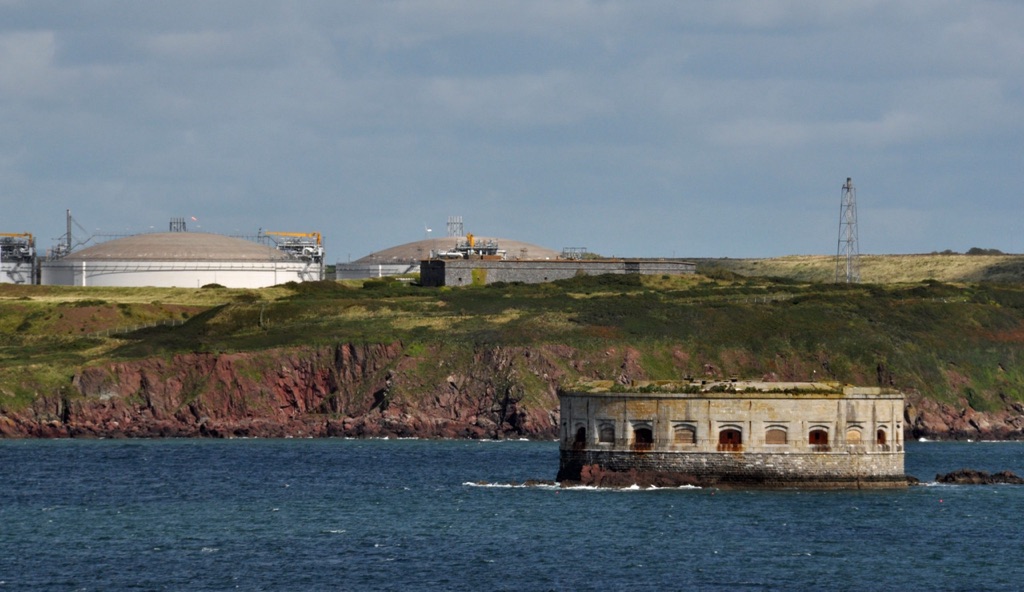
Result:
[[188, 260], [17, 258], [480, 261], [407, 258], [483, 270]]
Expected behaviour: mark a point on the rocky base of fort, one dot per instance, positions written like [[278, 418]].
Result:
[[594, 475]]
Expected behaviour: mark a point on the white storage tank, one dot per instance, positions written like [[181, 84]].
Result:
[[178, 260], [17, 258]]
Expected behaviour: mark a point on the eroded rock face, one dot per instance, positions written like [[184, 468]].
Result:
[[345, 391], [375, 390], [926, 418]]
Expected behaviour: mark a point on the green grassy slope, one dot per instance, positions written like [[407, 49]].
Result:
[[951, 342]]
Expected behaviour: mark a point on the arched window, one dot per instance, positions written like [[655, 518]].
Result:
[[606, 434], [818, 439], [882, 439], [775, 436], [685, 434], [730, 439], [580, 441], [853, 436], [643, 438]]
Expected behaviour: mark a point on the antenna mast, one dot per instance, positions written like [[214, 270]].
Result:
[[848, 252], [455, 227]]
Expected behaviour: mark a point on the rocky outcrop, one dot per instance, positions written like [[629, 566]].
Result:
[[345, 391], [378, 390], [975, 477], [927, 418]]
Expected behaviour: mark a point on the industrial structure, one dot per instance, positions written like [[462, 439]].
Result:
[[407, 258], [476, 262], [483, 271], [17, 258], [304, 246], [848, 251], [470, 247], [735, 433], [188, 259]]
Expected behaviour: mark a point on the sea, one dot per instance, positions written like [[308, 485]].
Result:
[[337, 514]]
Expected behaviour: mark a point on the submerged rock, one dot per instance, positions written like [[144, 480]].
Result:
[[975, 477]]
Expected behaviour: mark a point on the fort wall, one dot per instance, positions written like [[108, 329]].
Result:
[[739, 433]]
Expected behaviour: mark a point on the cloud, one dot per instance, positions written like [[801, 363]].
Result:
[[608, 117], [26, 65]]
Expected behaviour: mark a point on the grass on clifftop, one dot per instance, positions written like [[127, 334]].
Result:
[[951, 341], [881, 269]]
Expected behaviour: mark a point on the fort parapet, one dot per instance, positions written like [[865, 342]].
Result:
[[734, 433]]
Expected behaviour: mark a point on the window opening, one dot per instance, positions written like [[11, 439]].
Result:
[[818, 439], [581, 439], [643, 439], [730, 439]]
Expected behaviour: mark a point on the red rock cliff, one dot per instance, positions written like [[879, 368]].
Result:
[[373, 390], [345, 390]]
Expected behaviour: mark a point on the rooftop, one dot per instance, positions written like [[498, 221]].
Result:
[[178, 246]]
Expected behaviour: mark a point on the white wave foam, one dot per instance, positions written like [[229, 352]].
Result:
[[511, 485], [556, 486], [633, 487]]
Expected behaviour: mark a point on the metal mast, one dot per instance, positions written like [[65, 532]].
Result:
[[455, 227], [848, 252]]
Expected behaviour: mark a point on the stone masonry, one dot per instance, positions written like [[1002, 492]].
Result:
[[736, 433]]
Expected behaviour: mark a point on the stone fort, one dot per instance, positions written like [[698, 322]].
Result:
[[734, 433]]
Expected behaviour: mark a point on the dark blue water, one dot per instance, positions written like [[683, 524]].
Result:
[[403, 515]]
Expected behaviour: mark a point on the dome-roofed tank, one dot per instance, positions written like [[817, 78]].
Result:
[[177, 259]]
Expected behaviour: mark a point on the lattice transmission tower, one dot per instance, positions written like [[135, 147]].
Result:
[[455, 227], [848, 252]]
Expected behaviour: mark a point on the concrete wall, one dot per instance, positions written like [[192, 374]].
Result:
[[464, 272], [851, 420], [362, 271], [17, 272], [175, 274]]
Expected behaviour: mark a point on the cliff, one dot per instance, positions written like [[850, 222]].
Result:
[[392, 359], [380, 390], [345, 391]]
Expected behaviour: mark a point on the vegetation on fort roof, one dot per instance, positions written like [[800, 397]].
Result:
[[953, 341]]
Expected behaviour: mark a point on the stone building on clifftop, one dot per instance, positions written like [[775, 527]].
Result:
[[734, 433]]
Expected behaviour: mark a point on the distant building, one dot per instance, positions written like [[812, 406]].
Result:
[[405, 259], [180, 259], [17, 258], [484, 270], [737, 433]]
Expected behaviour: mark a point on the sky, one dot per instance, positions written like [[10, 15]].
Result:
[[669, 128]]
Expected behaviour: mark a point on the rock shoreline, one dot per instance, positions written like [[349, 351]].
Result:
[[372, 390]]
